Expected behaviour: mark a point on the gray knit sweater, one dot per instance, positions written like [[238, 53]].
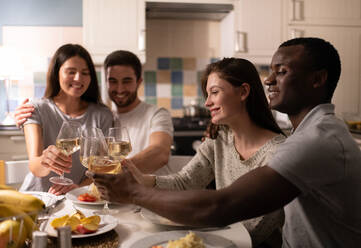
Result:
[[218, 159]]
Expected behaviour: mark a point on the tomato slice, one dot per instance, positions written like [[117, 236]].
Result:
[[87, 197], [91, 198], [81, 198]]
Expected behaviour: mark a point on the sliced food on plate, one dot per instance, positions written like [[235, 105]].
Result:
[[92, 196], [78, 222], [86, 197]]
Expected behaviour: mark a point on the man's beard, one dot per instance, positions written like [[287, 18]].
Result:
[[126, 102]]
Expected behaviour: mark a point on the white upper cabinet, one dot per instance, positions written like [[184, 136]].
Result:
[[338, 22], [110, 25], [324, 12], [258, 29], [347, 41]]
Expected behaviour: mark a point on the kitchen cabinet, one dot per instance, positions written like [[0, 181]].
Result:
[[338, 22], [324, 12], [347, 41], [12, 145], [114, 25], [258, 29]]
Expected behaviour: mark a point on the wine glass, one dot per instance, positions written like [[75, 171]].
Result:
[[91, 145], [119, 144], [67, 142], [94, 156]]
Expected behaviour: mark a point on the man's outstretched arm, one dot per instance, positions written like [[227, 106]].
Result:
[[256, 193], [155, 155]]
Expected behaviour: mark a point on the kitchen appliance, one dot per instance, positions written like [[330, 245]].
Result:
[[188, 134], [199, 11], [195, 109]]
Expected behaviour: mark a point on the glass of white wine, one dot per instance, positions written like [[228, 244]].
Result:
[[94, 155], [91, 145], [119, 144], [67, 142]]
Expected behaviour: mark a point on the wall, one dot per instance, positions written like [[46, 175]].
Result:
[[177, 53], [40, 13], [36, 28]]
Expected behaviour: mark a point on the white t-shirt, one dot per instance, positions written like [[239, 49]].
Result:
[[141, 122]]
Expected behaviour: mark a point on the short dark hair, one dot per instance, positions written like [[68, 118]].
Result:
[[126, 58], [237, 71], [65, 52], [322, 55]]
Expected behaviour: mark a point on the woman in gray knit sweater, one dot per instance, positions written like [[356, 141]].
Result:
[[243, 136]]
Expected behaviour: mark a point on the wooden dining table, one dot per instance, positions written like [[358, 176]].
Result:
[[131, 225]]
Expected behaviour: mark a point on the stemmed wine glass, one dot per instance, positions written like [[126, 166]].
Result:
[[119, 144], [94, 155], [67, 142], [91, 145]]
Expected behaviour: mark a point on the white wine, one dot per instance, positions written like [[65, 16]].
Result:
[[119, 149], [108, 140], [84, 161], [100, 164], [68, 146]]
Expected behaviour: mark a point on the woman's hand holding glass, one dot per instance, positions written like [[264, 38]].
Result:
[[55, 160], [67, 142]]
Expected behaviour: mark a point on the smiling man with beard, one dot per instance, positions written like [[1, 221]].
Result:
[[150, 128]]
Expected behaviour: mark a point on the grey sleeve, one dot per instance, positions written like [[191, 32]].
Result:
[[106, 121], [197, 174], [35, 117], [260, 228]]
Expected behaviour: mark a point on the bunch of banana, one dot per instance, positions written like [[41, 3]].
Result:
[[14, 231], [3, 186], [24, 202]]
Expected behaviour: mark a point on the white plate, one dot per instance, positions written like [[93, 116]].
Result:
[[107, 223], [157, 219], [162, 238], [73, 196], [46, 197]]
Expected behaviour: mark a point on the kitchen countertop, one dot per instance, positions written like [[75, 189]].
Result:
[[10, 130], [8, 127], [357, 137]]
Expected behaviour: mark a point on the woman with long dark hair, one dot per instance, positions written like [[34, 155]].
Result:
[[71, 94], [243, 136]]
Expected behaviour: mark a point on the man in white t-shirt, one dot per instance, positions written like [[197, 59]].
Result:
[[150, 128]]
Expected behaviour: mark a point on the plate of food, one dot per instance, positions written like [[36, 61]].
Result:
[[85, 195], [82, 226], [184, 238], [157, 219]]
